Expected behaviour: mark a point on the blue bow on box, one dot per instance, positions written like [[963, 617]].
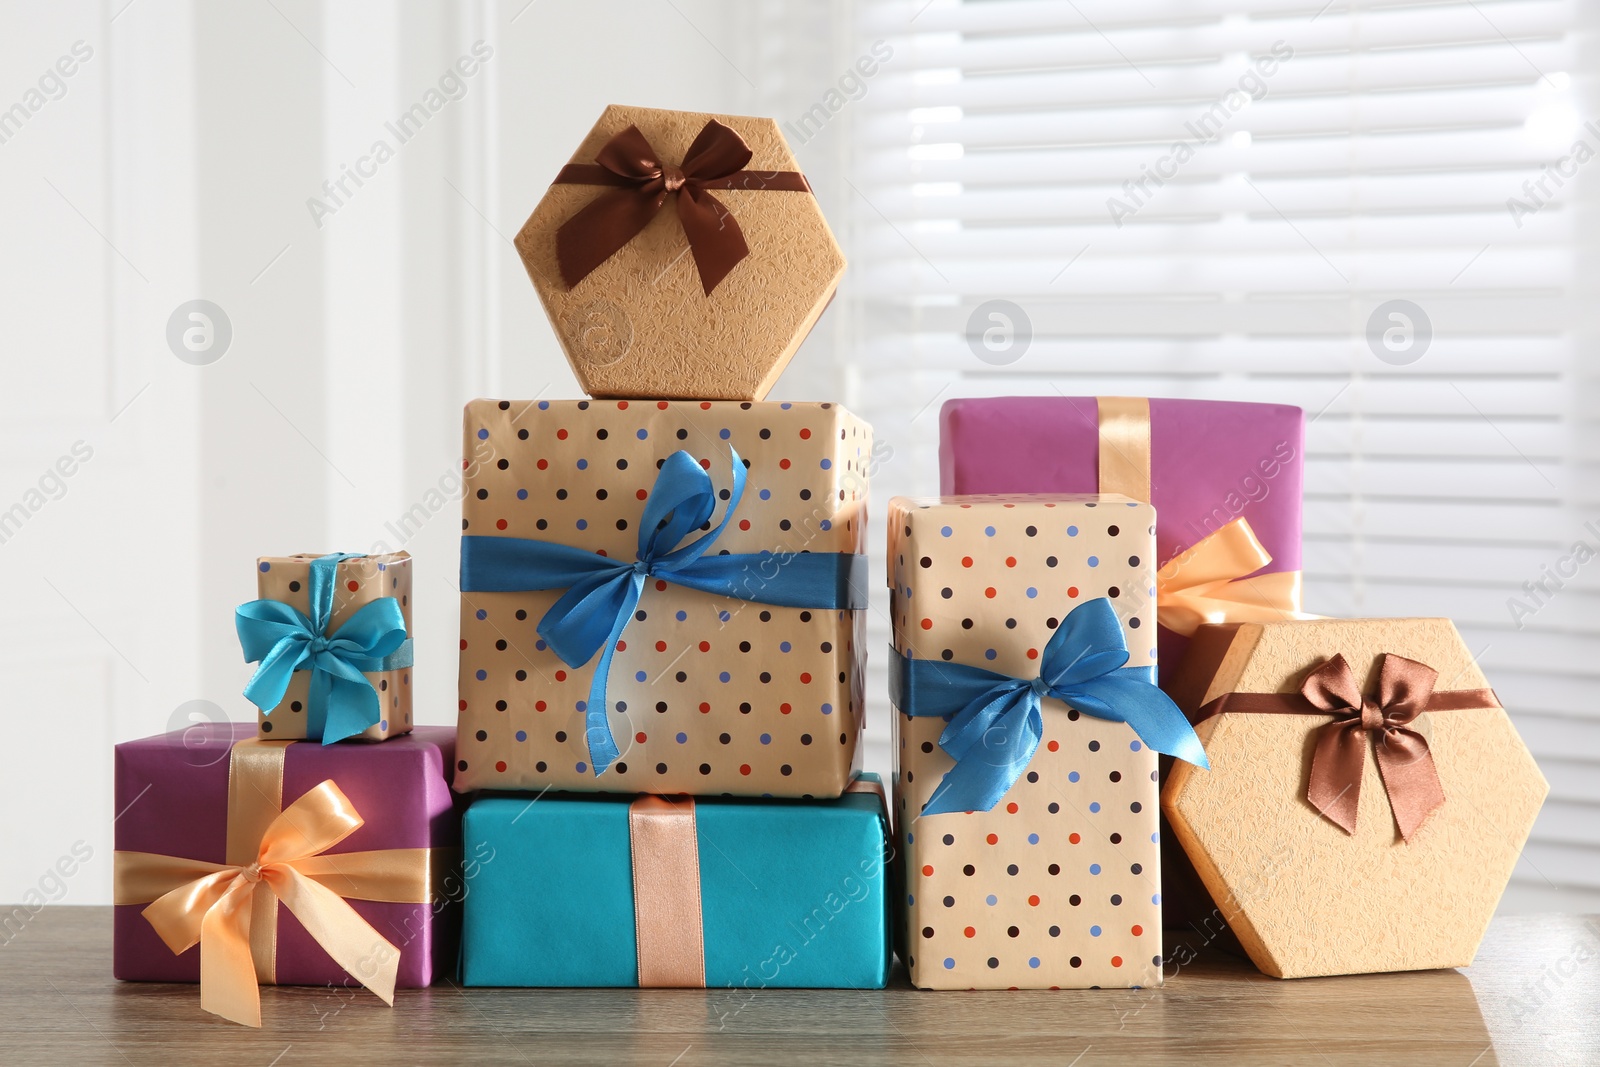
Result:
[[602, 593], [342, 702], [995, 720]]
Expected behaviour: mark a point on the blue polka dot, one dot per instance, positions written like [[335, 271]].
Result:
[[383, 724], [724, 616], [1072, 776], [725, 676], [522, 494], [583, 524], [1094, 806], [766, 739], [989, 653], [1033, 961], [945, 531], [765, 494], [991, 900], [949, 964], [582, 705], [265, 567], [910, 899], [827, 709], [1134, 745], [483, 676], [1094, 561], [522, 735], [642, 434], [583, 464], [582, 767], [827, 464], [544, 405], [1094, 931], [786, 406], [1072, 531], [1156, 899], [724, 434], [682, 615], [1094, 868], [683, 738], [784, 646], [988, 531], [481, 614], [1155, 838], [540, 645], [911, 838], [483, 435], [1032, 592], [639, 676], [826, 524], [1033, 839]]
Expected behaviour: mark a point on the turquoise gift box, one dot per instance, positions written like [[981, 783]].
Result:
[[576, 890]]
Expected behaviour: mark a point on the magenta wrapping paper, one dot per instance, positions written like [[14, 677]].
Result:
[[1211, 461], [172, 799]]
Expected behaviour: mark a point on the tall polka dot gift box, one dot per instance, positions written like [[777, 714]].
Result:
[[358, 581], [1058, 884], [755, 694]]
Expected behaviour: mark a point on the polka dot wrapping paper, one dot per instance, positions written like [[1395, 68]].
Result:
[[710, 694], [1059, 885], [357, 583]]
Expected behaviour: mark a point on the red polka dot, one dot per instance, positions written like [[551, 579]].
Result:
[[661, 646], [805, 435], [500, 765], [744, 768], [561, 676], [1138, 931], [1011, 561], [352, 585], [642, 494], [705, 646], [463, 705], [561, 435], [499, 524], [1072, 590], [639, 737], [805, 678], [622, 405], [1033, 653], [622, 646], [1053, 746], [1074, 838], [705, 709], [966, 561], [970, 932], [705, 405], [927, 624], [1033, 901], [1012, 807], [463, 644], [662, 404], [744, 524], [785, 709], [927, 869], [989, 592], [543, 464], [993, 839], [661, 587], [539, 705], [783, 464], [464, 464], [1116, 961], [706, 463]]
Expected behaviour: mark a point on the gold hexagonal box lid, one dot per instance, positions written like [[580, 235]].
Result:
[[680, 255], [1414, 881]]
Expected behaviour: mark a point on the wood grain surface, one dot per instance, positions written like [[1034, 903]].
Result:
[[1533, 997]]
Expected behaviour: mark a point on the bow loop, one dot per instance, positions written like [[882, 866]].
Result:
[[1211, 582]]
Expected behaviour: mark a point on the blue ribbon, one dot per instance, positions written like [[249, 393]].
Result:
[[342, 702], [994, 719], [602, 593]]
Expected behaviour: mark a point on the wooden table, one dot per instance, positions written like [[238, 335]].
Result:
[[1533, 997]]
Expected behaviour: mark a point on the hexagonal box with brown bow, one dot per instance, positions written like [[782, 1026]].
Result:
[[680, 255], [1367, 799]]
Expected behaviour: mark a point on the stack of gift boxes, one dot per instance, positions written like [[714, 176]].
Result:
[[656, 772]]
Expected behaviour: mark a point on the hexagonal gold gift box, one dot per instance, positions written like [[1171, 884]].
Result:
[[680, 256], [1413, 882]]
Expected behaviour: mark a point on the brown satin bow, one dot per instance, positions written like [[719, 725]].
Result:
[[1405, 762], [642, 184]]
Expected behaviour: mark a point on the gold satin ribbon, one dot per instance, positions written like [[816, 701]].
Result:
[[666, 893], [1205, 583], [273, 855]]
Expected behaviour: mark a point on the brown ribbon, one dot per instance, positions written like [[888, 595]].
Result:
[[666, 892], [1405, 690], [641, 184]]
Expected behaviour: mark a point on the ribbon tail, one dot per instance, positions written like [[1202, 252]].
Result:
[[271, 679], [1337, 766], [981, 778], [714, 236], [602, 228], [597, 725], [227, 970], [1130, 695], [343, 934], [1410, 777], [350, 706]]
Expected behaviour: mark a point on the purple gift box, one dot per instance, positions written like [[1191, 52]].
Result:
[[172, 799], [1211, 462]]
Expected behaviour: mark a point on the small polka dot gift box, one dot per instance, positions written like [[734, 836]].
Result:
[[1028, 725], [662, 596], [331, 637]]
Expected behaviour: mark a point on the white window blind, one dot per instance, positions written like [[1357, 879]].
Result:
[[1375, 154]]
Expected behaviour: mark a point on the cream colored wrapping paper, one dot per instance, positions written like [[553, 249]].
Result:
[[722, 696], [358, 582], [1059, 885]]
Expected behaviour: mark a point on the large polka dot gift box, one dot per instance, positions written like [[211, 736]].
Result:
[[358, 581], [706, 693], [1058, 884]]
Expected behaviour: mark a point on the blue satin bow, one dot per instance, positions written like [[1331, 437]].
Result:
[[342, 702], [994, 719], [602, 593]]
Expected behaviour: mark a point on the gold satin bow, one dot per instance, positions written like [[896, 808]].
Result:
[[195, 901], [1207, 583]]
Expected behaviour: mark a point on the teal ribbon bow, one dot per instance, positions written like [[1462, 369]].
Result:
[[342, 702], [602, 593], [995, 720]]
